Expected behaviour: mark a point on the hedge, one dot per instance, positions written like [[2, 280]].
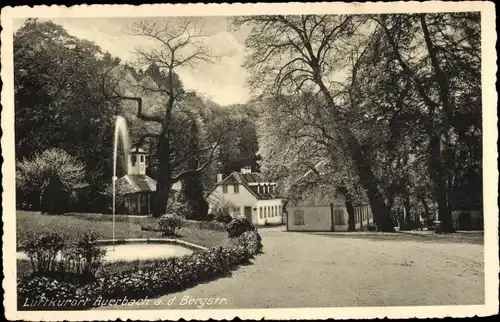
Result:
[[161, 277]]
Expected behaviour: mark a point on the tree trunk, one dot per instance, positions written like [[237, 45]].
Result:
[[351, 224], [408, 215], [441, 187], [381, 213], [163, 183]]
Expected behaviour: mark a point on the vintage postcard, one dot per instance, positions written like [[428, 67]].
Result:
[[276, 161]]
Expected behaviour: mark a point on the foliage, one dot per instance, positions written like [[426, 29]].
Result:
[[182, 209], [60, 101], [252, 241], [149, 279], [401, 117], [223, 216], [52, 254], [169, 223], [237, 227], [43, 180], [85, 256], [43, 251]]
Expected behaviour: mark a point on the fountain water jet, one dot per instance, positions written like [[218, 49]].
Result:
[[120, 131]]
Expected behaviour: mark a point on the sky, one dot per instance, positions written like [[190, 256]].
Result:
[[222, 81]]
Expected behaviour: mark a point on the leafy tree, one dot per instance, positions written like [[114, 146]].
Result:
[[291, 54], [59, 101], [49, 179]]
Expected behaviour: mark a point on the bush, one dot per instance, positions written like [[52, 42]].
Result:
[[237, 227], [40, 288], [252, 241], [157, 278], [54, 254], [182, 209], [42, 181], [169, 224], [371, 227], [43, 251], [85, 256], [223, 217]]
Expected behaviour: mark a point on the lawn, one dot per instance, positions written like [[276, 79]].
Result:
[[125, 227]]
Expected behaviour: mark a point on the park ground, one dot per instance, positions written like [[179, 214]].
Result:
[[342, 270]]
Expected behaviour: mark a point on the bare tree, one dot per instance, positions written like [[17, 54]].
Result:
[[293, 54], [175, 43]]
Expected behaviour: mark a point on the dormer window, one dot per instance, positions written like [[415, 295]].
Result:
[[133, 159], [142, 158]]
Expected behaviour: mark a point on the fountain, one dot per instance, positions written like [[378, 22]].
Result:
[[120, 131]]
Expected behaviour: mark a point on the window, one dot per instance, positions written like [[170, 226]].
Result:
[[265, 212], [142, 158], [224, 188], [236, 210], [134, 159], [298, 217], [269, 211], [260, 212], [236, 188]]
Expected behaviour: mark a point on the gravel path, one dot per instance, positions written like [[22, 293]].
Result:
[[318, 270]]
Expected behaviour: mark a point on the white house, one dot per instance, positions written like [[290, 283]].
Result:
[[248, 195]]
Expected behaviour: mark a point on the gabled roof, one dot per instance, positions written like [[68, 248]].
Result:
[[134, 183], [246, 179]]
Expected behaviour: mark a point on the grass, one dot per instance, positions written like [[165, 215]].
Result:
[[125, 227]]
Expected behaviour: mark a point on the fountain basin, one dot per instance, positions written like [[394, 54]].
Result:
[[141, 249]]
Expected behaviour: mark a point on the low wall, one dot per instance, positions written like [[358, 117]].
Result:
[[107, 242]]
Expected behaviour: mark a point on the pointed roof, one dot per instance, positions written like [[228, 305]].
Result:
[[249, 181], [134, 183]]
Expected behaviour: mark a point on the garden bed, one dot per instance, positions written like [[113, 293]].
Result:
[[66, 272]]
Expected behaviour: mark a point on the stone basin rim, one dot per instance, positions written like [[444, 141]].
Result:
[[156, 240]]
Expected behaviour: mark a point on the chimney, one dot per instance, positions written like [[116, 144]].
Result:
[[219, 177], [246, 170]]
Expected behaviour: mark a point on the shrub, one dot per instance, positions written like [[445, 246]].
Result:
[[182, 209], [52, 253], [170, 223], [85, 256], [157, 278], [371, 227], [237, 227], [223, 217], [40, 289], [43, 251], [251, 241], [44, 179]]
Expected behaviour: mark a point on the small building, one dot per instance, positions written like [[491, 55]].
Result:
[[135, 189], [325, 217], [247, 195], [316, 210]]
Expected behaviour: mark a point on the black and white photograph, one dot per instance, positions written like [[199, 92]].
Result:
[[252, 161]]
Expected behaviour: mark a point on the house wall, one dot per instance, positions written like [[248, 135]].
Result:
[[316, 218], [272, 214], [243, 198], [319, 218]]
